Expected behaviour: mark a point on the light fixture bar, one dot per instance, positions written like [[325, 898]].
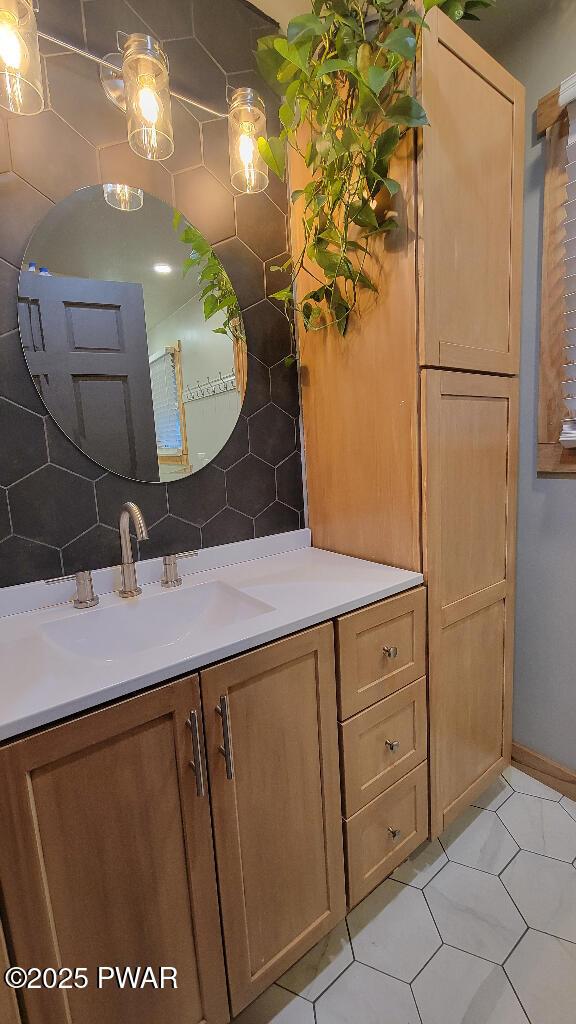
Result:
[[112, 67]]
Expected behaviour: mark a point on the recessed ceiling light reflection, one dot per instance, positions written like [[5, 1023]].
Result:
[[162, 268]]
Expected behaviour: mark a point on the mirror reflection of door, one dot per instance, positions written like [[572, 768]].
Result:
[[87, 350]]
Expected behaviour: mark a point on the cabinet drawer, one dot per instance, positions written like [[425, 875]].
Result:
[[372, 850], [380, 745], [380, 650]]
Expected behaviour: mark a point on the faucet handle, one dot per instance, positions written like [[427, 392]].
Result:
[[170, 577], [85, 596]]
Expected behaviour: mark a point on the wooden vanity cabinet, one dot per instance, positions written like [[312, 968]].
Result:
[[272, 750], [107, 859]]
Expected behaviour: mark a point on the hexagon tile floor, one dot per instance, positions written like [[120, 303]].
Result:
[[478, 927]]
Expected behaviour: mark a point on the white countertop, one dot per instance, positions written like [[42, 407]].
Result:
[[42, 682]]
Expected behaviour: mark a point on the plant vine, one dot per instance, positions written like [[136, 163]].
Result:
[[344, 72]]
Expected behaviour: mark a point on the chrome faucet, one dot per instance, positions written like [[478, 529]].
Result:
[[128, 512]]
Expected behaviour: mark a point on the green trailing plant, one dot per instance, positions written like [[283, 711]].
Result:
[[346, 85], [217, 293]]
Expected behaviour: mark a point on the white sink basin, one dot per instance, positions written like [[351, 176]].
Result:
[[147, 623]]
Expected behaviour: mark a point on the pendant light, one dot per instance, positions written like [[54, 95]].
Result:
[[246, 124], [21, 89], [124, 197]]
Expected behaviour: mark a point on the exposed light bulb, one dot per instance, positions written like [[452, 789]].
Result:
[[149, 104], [13, 52], [247, 150]]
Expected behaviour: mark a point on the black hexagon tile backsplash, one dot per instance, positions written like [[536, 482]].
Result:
[[58, 509]]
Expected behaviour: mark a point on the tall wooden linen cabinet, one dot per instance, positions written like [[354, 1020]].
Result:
[[410, 420]]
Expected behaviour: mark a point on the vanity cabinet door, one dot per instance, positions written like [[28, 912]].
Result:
[[106, 859], [272, 751], [471, 169], [469, 468]]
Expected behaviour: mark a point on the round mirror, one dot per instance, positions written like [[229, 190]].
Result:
[[132, 333]]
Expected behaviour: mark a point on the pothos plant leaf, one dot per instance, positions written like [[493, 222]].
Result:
[[345, 74], [217, 294]]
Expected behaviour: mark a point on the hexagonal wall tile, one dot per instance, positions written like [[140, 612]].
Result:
[[544, 890], [194, 73], [268, 332], [478, 839], [316, 971], [50, 155], [260, 224], [456, 987], [8, 297], [96, 549], [76, 94], [62, 452], [187, 143], [289, 481], [104, 18], [284, 381], [167, 21], [244, 270], [277, 518], [543, 972], [62, 18], [15, 381], [67, 508], [119, 164], [27, 448], [236, 446], [473, 911], [362, 994], [540, 826], [393, 931], [5, 161], [232, 48], [216, 150], [251, 486], [272, 434], [171, 536], [226, 528], [23, 561], [205, 203], [257, 388], [199, 497], [22, 209]]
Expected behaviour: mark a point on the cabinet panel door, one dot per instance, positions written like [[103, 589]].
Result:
[[469, 467], [9, 1013], [277, 823], [106, 859], [471, 188]]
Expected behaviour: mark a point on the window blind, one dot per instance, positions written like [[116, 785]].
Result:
[[568, 434], [165, 402]]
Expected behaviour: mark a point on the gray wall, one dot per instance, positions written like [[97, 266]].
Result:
[[536, 41]]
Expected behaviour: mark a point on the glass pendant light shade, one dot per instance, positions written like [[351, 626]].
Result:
[[124, 197], [246, 124], [147, 96], [21, 89]]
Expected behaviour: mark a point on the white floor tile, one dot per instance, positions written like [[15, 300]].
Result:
[[393, 931], [312, 975], [540, 826], [456, 988], [544, 891], [422, 865], [569, 805], [523, 783], [493, 797], [473, 911], [479, 840], [277, 1006], [364, 996], [543, 972]]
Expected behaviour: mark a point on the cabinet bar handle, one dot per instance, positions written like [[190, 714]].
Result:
[[395, 832], [390, 652], [223, 709], [196, 764], [393, 745]]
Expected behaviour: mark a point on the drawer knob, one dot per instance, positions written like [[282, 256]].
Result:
[[395, 832], [393, 745], [390, 652]]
